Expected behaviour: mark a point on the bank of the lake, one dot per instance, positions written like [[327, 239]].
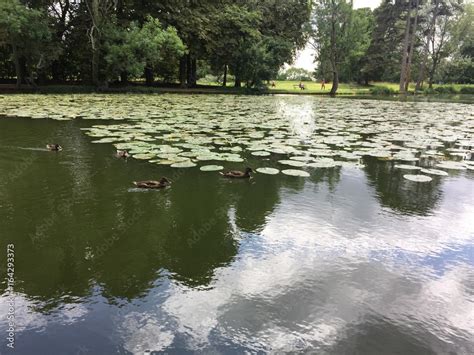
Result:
[[446, 92]]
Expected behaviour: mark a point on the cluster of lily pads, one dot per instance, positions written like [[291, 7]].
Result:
[[287, 134]]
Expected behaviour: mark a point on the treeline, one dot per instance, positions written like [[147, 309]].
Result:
[[117, 41], [400, 41], [103, 41]]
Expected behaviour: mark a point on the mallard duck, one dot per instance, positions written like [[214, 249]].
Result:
[[54, 147], [122, 154], [237, 174], [153, 184]]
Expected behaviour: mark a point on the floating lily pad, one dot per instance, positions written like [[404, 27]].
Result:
[[434, 172], [261, 154], [294, 172], [322, 164], [417, 178], [211, 168], [184, 164], [294, 163], [268, 171], [451, 165], [407, 167], [144, 156]]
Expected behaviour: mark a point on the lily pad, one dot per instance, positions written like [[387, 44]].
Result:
[[417, 178], [184, 164], [211, 168], [268, 171], [261, 153], [294, 172], [451, 165], [294, 163], [407, 167], [434, 172]]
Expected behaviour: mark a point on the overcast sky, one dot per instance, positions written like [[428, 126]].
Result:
[[304, 58]]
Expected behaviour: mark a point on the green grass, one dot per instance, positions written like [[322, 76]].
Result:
[[282, 87], [291, 87]]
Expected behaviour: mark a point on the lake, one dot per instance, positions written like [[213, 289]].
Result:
[[348, 251]]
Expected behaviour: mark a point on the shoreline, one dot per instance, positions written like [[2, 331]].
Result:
[[8, 89]]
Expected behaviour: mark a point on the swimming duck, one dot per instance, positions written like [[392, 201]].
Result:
[[153, 184], [237, 174], [54, 147], [122, 154]]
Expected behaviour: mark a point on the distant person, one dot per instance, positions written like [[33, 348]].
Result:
[[323, 84], [273, 85], [301, 85]]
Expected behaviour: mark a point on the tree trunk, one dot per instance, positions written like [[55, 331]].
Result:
[[224, 80], [335, 82], [19, 78], [426, 49], [55, 71], [124, 78], [182, 71], [403, 69], [149, 77], [238, 81], [95, 67], [191, 71], [334, 56], [94, 38], [411, 48]]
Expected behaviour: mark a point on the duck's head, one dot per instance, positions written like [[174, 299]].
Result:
[[165, 180], [248, 170]]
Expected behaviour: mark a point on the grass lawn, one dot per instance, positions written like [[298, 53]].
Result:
[[311, 87]]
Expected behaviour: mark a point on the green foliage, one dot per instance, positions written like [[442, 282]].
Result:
[[467, 90], [445, 90], [130, 50], [298, 74], [359, 38], [382, 60], [26, 33], [382, 90]]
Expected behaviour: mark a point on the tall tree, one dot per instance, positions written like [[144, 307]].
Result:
[[408, 44], [381, 63], [332, 21], [25, 31]]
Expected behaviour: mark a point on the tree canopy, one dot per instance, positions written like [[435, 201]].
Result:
[[119, 41]]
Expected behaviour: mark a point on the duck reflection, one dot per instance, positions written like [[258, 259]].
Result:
[[399, 194]]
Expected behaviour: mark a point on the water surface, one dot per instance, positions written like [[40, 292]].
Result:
[[352, 260]]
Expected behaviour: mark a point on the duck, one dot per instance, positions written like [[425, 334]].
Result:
[[122, 154], [237, 174], [153, 184], [54, 147]]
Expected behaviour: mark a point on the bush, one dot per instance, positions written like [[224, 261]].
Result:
[[445, 90], [381, 90], [429, 91], [467, 90]]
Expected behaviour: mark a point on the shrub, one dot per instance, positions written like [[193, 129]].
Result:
[[381, 90], [467, 90], [445, 90]]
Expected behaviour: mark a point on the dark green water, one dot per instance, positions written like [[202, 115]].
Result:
[[348, 261]]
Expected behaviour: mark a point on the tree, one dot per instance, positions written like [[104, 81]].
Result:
[[298, 74], [234, 29], [441, 43], [408, 44], [359, 38], [381, 62], [332, 22], [25, 31], [130, 50]]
